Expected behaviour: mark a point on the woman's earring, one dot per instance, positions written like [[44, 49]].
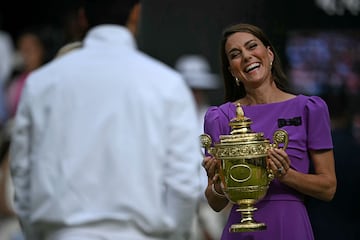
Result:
[[237, 81]]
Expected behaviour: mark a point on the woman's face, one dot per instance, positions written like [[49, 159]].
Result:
[[250, 61]]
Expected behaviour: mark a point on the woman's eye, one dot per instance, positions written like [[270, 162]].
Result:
[[234, 55], [252, 46]]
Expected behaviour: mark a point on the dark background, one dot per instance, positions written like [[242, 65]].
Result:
[[172, 27]]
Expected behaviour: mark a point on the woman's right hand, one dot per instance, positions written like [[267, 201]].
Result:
[[213, 192], [211, 166]]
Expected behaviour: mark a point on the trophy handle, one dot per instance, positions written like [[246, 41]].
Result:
[[280, 137], [205, 141]]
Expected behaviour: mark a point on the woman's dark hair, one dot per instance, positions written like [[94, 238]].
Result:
[[234, 92], [108, 11]]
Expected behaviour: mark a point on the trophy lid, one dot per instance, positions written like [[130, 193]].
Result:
[[241, 129]]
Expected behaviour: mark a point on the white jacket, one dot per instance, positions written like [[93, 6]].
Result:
[[107, 133]]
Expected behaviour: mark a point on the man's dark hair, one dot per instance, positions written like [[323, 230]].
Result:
[[108, 11]]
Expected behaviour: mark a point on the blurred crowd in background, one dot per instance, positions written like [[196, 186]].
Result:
[[320, 61]]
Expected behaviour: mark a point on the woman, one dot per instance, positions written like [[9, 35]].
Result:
[[254, 78]]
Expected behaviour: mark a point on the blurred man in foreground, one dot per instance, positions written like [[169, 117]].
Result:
[[105, 140]]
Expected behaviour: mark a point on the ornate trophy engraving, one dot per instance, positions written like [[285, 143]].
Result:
[[243, 172]]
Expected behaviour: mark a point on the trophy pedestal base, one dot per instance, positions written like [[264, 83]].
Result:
[[247, 227], [247, 223]]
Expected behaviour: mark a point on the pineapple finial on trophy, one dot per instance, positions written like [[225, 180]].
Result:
[[239, 112], [240, 123]]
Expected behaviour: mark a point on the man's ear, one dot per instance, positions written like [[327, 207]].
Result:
[[82, 20], [134, 18]]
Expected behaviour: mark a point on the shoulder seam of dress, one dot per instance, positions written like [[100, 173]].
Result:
[[226, 114]]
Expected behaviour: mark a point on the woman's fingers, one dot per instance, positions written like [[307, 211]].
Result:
[[279, 161], [210, 165]]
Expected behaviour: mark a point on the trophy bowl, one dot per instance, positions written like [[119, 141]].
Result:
[[243, 171]]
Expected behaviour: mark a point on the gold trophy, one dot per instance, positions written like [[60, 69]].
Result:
[[243, 173]]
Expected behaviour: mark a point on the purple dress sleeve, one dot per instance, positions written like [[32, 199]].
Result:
[[216, 122], [211, 123], [319, 127]]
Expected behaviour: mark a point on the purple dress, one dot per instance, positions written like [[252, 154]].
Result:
[[307, 121]]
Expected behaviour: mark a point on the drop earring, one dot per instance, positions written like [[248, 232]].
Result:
[[237, 81]]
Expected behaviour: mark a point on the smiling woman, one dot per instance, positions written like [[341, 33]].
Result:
[[250, 60], [254, 78], [232, 51]]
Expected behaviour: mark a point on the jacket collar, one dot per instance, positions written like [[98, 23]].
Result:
[[111, 35]]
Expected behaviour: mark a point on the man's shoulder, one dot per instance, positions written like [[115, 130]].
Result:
[[153, 62], [43, 76], [159, 72]]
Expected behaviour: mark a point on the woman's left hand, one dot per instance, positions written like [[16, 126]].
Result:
[[278, 161]]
